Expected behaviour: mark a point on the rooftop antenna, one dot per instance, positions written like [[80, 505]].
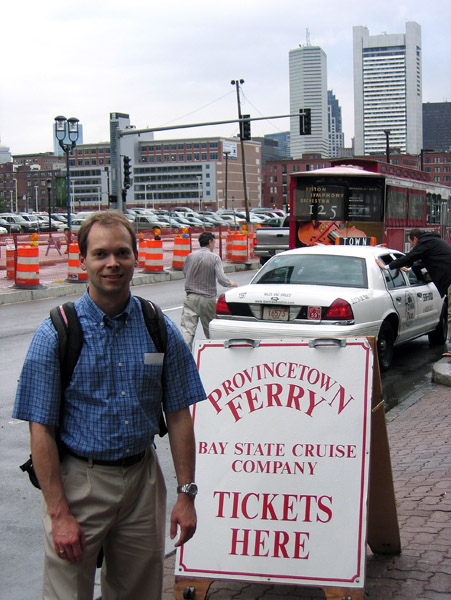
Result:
[[307, 37]]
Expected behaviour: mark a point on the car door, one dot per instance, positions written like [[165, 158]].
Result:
[[427, 299], [403, 301]]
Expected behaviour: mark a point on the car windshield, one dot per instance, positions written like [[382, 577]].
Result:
[[308, 269]]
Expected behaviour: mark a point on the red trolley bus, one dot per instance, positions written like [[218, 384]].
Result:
[[362, 201]]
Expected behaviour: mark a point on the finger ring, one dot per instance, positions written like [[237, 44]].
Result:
[[62, 552]]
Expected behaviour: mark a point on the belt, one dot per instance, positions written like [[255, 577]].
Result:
[[126, 461]]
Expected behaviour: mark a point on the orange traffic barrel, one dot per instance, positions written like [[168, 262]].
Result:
[[239, 248], [154, 256], [74, 271], [182, 247], [27, 271], [10, 259], [251, 244], [142, 252], [228, 245]]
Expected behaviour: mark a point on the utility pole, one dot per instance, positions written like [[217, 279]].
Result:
[[236, 83]]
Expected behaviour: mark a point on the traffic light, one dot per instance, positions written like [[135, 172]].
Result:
[[305, 121], [127, 171], [245, 127]]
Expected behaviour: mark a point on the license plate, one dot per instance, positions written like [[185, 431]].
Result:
[[314, 313], [275, 313]]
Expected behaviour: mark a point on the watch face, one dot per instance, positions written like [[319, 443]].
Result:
[[191, 489], [188, 488]]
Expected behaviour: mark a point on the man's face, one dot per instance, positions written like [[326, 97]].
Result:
[[413, 242], [109, 262]]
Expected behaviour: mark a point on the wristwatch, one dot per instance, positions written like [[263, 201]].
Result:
[[188, 488]]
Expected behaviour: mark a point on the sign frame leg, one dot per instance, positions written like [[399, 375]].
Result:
[[383, 535]]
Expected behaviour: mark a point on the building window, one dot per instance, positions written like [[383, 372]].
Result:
[[204, 156], [436, 159]]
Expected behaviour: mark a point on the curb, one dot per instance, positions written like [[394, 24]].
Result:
[[441, 372]]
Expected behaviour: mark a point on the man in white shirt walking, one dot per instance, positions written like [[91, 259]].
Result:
[[201, 269]]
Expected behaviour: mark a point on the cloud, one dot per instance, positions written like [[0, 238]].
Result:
[[163, 61]]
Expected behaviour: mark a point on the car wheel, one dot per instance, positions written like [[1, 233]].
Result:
[[440, 333], [385, 346]]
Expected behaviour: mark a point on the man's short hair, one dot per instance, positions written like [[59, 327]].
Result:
[[205, 238], [415, 233], [106, 218]]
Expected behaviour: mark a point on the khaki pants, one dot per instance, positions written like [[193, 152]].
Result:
[[121, 509], [196, 307]]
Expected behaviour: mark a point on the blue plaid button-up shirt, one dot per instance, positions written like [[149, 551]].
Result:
[[112, 404]]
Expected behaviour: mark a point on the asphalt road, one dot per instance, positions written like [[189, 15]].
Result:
[[20, 522], [21, 555]]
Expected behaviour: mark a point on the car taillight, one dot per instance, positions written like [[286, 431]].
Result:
[[221, 306], [339, 310]]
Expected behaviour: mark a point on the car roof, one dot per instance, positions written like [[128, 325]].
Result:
[[339, 250]]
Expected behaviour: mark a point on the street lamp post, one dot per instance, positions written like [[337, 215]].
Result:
[[107, 171], [236, 83], [199, 187], [387, 144], [49, 195], [226, 153], [66, 131]]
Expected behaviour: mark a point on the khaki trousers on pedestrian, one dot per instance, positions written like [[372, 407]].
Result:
[[121, 509], [196, 307]]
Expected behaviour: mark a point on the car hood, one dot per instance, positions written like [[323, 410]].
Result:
[[317, 295]]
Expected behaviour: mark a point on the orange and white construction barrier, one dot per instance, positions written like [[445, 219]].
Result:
[[239, 248], [142, 251], [74, 271], [228, 245], [154, 256], [10, 259], [182, 247], [27, 271], [251, 244]]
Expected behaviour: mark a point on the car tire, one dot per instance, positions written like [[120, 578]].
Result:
[[440, 333], [385, 346]]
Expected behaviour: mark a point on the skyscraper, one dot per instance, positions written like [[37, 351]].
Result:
[[308, 89], [336, 135], [387, 90]]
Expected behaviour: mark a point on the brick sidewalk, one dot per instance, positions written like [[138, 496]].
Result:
[[420, 450]]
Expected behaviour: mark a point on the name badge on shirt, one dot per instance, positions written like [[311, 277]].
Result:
[[153, 358]]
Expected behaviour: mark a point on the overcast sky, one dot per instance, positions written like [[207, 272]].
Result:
[[171, 62]]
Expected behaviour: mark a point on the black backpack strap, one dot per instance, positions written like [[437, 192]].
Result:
[[155, 323], [70, 338], [156, 326]]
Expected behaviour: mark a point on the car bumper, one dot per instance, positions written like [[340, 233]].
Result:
[[233, 329]]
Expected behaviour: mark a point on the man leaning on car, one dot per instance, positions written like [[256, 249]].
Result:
[[434, 254]]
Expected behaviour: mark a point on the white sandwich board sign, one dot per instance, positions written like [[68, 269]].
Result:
[[282, 451]]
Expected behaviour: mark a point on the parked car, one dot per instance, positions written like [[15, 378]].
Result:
[[3, 230], [25, 226], [76, 223], [147, 222], [334, 292], [10, 227]]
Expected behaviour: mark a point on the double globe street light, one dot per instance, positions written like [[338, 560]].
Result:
[[66, 131]]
